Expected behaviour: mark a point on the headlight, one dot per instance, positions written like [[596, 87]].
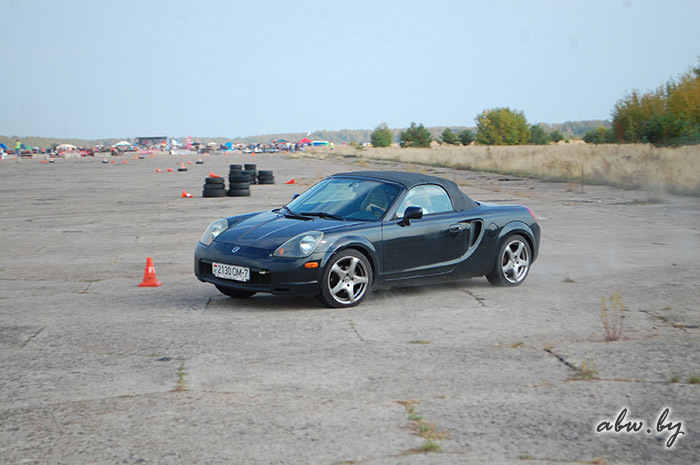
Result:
[[300, 246], [213, 230]]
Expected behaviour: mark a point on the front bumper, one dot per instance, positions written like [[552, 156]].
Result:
[[285, 276]]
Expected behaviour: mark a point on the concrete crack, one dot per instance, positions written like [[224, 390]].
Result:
[[31, 337], [478, 299], [352, 325], [670, 322], [86, 289], [562, 359]]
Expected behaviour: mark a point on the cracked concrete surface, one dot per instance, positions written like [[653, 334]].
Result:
[[96, 370]]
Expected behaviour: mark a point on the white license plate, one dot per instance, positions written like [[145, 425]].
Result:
[[235, 273]]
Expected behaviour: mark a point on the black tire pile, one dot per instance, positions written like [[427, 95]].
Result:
[[239, 181], [251, 172], [214, 187], [265, 177], [240, 177]]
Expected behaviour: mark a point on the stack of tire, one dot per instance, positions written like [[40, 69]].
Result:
[[214, 187], [251, 171], [265, 177], [238, 181]]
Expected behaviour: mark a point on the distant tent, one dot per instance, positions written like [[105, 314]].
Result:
[[66, 147], [305, 140], [282, 141], [122, 144], [4, 147]]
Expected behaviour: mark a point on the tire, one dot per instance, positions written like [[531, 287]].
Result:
[[214, 187], [235, 167], [251, 176], [240, 185], [238, 193], [264, 173], [182, 169], [235, 293], [346, 279], [266, 181], [214, 193], [512, 264], [249, 167], [238, 178], [215, 180]]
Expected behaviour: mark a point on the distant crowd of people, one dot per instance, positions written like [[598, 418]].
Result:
[[22, 150]]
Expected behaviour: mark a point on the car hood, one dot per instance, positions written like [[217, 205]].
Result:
[[269, 230]]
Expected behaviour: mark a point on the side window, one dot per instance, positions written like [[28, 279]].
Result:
[[432, 199]]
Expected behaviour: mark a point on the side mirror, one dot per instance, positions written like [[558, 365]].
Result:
[[294, 196], [411, 213]]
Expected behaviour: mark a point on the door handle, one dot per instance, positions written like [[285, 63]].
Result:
[[458, 227]]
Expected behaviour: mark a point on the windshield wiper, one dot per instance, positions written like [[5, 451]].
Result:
[[291, 214], [323, 215]]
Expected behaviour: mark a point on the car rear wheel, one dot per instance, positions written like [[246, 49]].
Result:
[[235, 293], [346, 279], [512, 262]]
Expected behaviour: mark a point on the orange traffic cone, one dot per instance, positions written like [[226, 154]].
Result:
[[124, 162], [158, 170], [170, 170], [182, 167], [149, 275], [212, 175], [292, 181], [189, 162], [186, 195]]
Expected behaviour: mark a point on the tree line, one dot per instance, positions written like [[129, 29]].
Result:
[[669, 115], [499, 126]]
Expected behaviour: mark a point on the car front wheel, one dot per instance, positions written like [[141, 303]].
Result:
[[512, 262], [346, 279]]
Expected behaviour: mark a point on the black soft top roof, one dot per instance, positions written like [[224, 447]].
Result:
[[460, 200]]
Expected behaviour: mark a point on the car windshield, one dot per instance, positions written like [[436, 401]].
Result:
[[346, 198]]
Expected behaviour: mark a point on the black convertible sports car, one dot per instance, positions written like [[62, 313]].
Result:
[[372, 229]]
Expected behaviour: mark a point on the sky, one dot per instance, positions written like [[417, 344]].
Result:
[[125, 68]]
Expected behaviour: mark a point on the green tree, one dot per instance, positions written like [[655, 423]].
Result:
[[502, 126], [448, 136], [466, 136], [669, 115], [381, 136], [556, 136], [416, 136], [538, 136], [601, 135]]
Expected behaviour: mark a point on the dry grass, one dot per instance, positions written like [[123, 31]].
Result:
[[613, 320], [639, 166]]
